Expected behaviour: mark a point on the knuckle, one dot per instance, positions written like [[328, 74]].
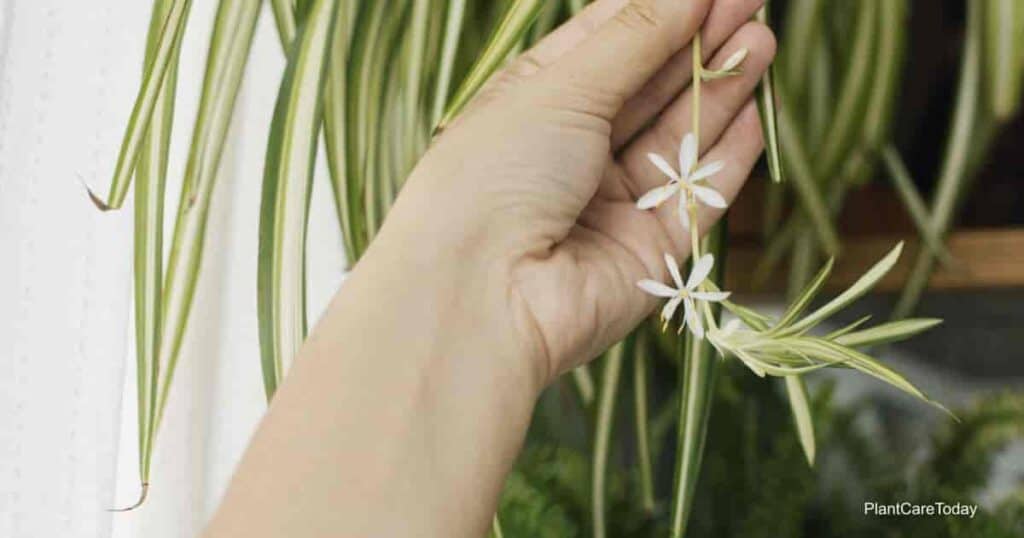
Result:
[[640, 15]]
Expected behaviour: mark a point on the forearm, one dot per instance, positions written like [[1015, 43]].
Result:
[[400, 417]]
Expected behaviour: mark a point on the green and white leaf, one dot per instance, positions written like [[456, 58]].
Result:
[[163, 50], [796, 391], [287, 180], [854, 292], [505, 38], [886, 333]]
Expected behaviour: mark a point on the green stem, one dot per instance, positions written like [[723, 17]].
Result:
[[697, 380], [640, 407], [603, 433], [953, 175]]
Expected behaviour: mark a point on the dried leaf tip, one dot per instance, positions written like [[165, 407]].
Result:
[[138, 503], [96, 200]]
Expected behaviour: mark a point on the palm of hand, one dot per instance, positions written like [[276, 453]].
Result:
[[573, 124]]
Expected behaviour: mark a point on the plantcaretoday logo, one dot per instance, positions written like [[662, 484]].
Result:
[[937, 508]]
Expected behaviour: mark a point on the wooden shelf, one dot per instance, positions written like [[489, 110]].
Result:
[[984, 259]]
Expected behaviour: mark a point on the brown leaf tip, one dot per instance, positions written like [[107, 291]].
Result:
[[138, 503]]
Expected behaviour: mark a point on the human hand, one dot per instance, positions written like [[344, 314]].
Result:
[[524, 209]]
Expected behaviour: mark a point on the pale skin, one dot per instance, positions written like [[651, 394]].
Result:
[[511, 256]]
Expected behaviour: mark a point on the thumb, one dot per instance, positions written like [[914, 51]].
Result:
[[615, 61]]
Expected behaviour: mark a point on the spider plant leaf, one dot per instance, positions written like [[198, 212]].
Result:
[[454, 17], [641, 420], [150, 182], [335, 121], [284, 207], [819, 348], [796, 391], [546, 20], [575, 6], [893, 331], [854, 292], [413, 82], [697, 374], [755, 320], [584, 382], [371, 52], [853, 93], [496, 528], [803, 300], [884, 83], [803, 22], [230, 42], [172, 28], [847, 329], [1003, 39], [804, 184], [610, 374], [915, 206], [956, 160], [510, 31], [284, 17], [766, 107]]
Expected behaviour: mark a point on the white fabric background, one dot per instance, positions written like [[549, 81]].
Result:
[[68, 75]]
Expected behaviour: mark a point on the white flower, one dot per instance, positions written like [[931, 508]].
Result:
[[686, 179], [687, 293]]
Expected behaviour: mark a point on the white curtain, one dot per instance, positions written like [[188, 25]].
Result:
[[69, 71]]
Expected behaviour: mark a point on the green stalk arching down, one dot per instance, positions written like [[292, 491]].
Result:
[[286, 15], [335, 121], [610, 374], [697, 374], [163, 49], [802, 18], [150, 182], [907, 191], [363, 96], [841, 133], [766, 107], [230, 43], [640, 408], [414, 82], [852, 98], [956, 159], [1004, 52], [384, 67], [287, 181], [510, 31], [455, 14]]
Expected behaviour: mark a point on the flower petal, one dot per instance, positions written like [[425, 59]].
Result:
[[706, 171], [673, 269], [669, 310], [710, 296], [687, 154], [701, 270], [663, 165], [709, 196], [656, 196], [693, 318], [656, 288]]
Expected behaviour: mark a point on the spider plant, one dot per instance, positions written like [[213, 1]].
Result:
[[356, 70]]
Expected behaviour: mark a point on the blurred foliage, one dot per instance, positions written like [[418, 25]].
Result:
[[755, 480]]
